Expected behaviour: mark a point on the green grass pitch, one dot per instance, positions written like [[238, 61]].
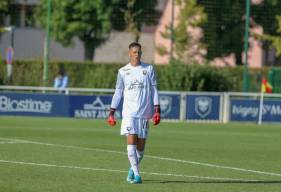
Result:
[[76, 155]]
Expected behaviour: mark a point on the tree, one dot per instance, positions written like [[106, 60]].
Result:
[[272, 40], [133, 14], [186, 46], [3, 5], [88, 20], [191, 15], [267, 15], [224, 30], [3, 9]]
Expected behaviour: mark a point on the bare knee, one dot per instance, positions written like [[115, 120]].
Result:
[[132, 140]]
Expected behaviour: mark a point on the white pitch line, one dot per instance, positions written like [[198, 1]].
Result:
[[120, 171], [65, 146], [151, 156], [10, 142], [215, 166]]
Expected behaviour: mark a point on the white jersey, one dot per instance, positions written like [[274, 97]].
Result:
[[139, 88]]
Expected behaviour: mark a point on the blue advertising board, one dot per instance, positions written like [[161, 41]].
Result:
[[170, 106], [33, 104], [198, 107], [93, 107], [97, 107], [202, 107], [248, 110], [80, 106]]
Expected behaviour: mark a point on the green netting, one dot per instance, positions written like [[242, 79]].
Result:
[[274, 77], [255, 81]]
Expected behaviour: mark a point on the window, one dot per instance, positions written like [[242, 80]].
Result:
[[29, 16], [15, 15]]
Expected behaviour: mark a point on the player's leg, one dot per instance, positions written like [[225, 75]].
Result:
[[140, 148], [141, 128], [133, 174], [142, 136], [129, 127], [139, 152]]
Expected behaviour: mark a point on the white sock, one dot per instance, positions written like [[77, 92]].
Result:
[[139, 155], [132, 156]]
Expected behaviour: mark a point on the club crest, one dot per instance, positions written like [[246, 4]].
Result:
[[203, 106], [144, 72], [165, 105]]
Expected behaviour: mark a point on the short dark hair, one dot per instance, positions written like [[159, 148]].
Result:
[[61, 71], [135, 44]]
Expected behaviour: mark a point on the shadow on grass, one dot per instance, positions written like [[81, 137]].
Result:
[[215, 181]]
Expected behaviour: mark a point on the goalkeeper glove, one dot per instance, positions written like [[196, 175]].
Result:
[[156, 116], [111, 119]]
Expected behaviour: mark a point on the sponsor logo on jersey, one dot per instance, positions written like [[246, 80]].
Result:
[[203, 106], [96, 109], [136, 85]]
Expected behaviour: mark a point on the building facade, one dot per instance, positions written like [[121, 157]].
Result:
[[28, 39]]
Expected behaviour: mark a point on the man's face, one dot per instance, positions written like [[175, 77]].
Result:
[[135, 54]]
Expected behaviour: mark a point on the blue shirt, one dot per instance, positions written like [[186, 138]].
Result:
[[61, 82]]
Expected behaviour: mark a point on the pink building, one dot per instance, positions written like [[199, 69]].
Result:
[[255, 53]]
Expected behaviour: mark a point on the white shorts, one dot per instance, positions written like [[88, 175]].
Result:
[[135, 126]]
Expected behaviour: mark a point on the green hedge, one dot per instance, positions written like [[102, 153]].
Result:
[[88, 75], [194, 78], [175, 76]]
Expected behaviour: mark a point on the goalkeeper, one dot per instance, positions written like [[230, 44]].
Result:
[[136, 83]]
